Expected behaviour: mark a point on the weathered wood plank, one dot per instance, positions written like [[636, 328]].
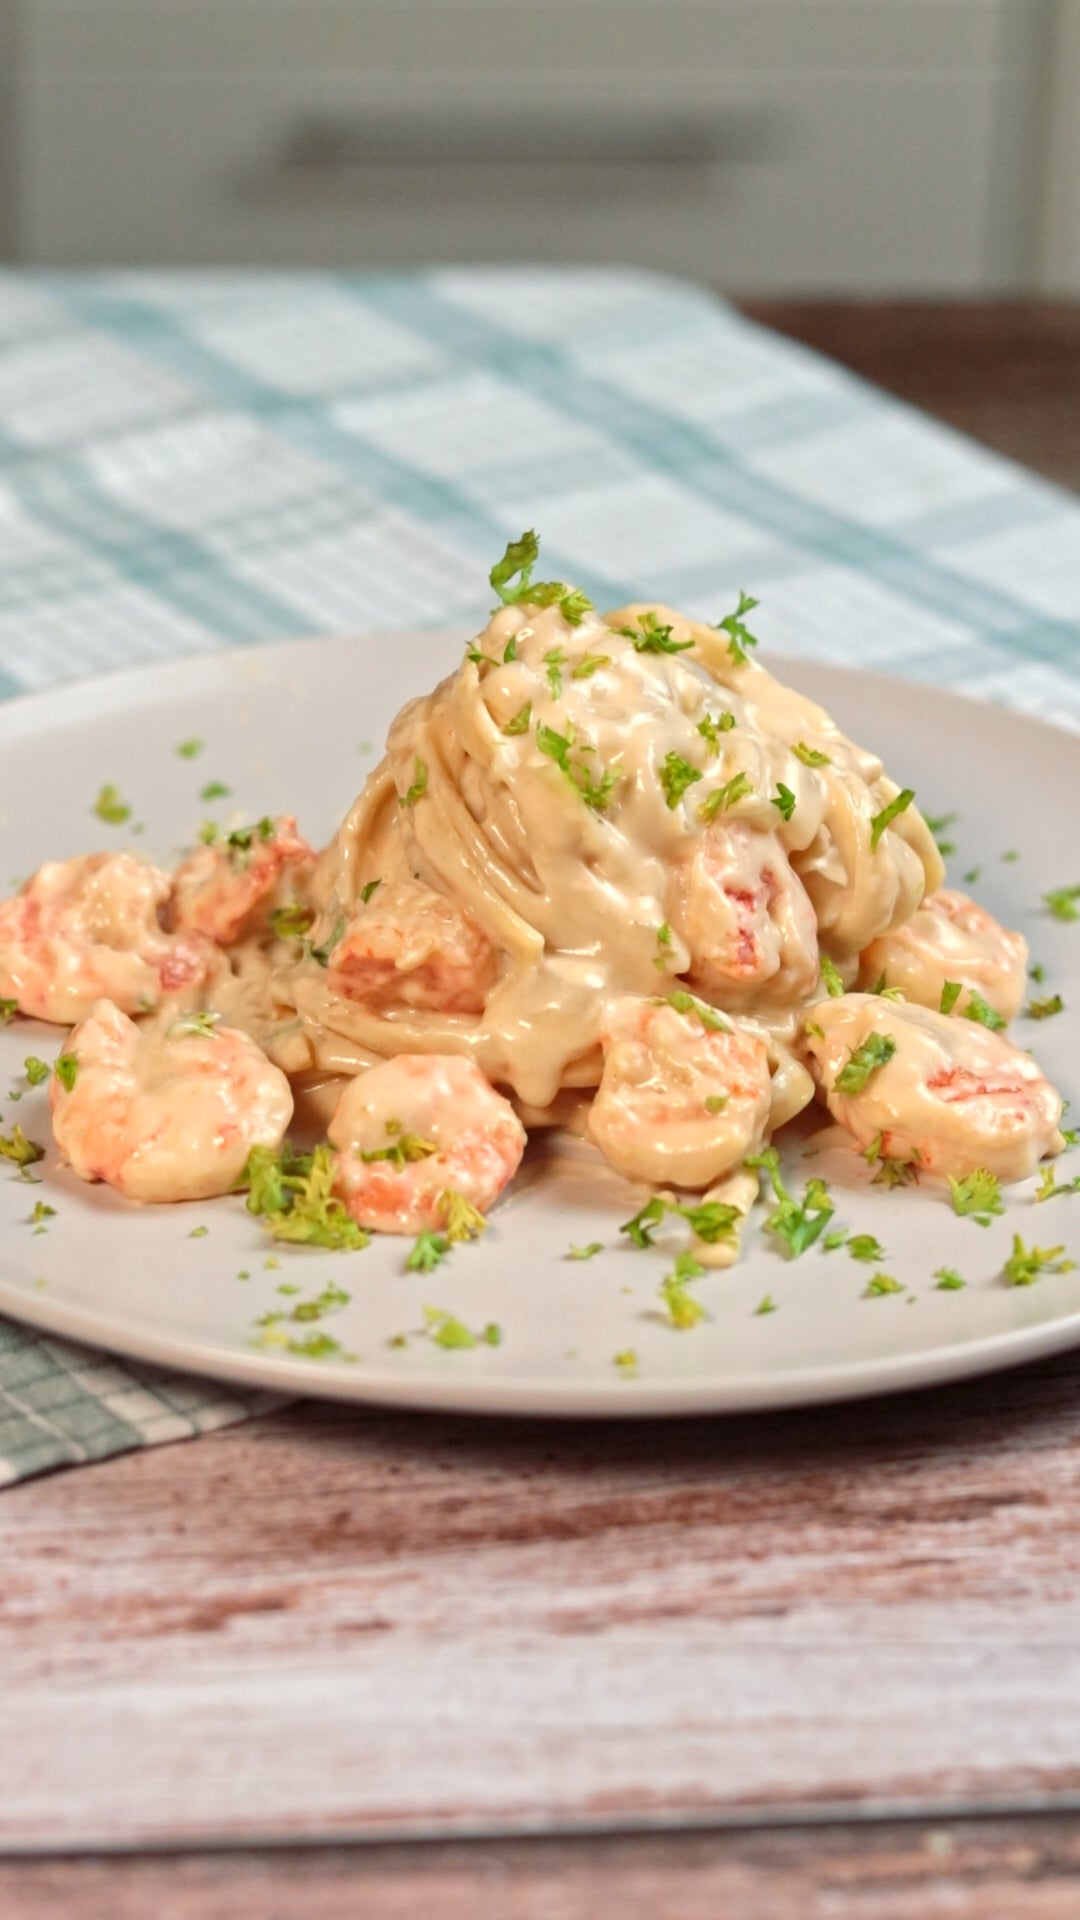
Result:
[[1027, 1870], [331, 1623]]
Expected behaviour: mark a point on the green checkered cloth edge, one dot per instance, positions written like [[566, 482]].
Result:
[[196, 461]]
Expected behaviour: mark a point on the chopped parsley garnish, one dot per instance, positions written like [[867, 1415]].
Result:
[[784, 801], [626, 1361], [242, 839], [369, 888], [461, 1220], [321, 954], [66, 1069], [289, 923], [950, 994], [109, 807], [307, 1346], [977, 1197], [664, 944], [8, 1010], [688, 1005], [403, 1150], [834, 1240], [596, 793], [1061, 902], [521, 721], [977, 1009], [209, 832], [1011, 856], [650, 636], [810, 756], [888, 814], [711, 1220], [198, 1233], [876, 1050], [830, 973], [1044, 1009], [1048, 1186], [815, 1028], [863, 1246], [766, 1304], [204, 1022], [948, 1280], [1037, 973], [712, 726], [584, 1253], [883, 990], [555, 661], [190, 749], [36, 1070], [683, 1310], [214, 790], [331, 1300], [798, 1224], [716, 1102], [589, 664], [292, 1193], [739, 635], [446, 1330], [676, 775], [419, 786], [721, 798], [971, 876], [516, 566], [16, 1147], [880, 1284], [1025, 1264]]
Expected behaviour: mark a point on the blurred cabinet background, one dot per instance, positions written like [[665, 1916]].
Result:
[[818, 145]]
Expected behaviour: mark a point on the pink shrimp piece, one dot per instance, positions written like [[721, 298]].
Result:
[[89, 929], [228, 890], [409, 946], [679, 1100], [747, 918], [165, 1113], [950, 1096], [951, 938], [417, 1129]]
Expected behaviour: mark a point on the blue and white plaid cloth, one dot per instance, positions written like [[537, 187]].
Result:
[[195, 461]]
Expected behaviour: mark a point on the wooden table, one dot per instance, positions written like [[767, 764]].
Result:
[[815, 1664]]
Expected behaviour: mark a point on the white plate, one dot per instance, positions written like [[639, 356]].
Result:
[[297, 727]]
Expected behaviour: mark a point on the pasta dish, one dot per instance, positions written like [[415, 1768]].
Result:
[[611, 875]]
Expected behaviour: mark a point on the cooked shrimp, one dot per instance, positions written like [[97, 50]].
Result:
[[228, 890], [409, 946], [166, 1112], [747, 918], [951, 938], [949, 1095], [679, 1100], [88, 929], [416, 1129]]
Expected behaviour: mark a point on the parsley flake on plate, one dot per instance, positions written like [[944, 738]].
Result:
[[1049, 1189], [215, 790], [17, 1148], [426, 1253], [977, 1197], [766, 1305], [1061, 902], [584, 1253], [292, 1194], [8, 1010], [109, 807], [863, 1246], [1044, 1009], [797, 1224], [683, 1310], [36, 1070], [190, 749], [880, 1284], [948, 1280], [461, 1220], [1025, 1264]]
